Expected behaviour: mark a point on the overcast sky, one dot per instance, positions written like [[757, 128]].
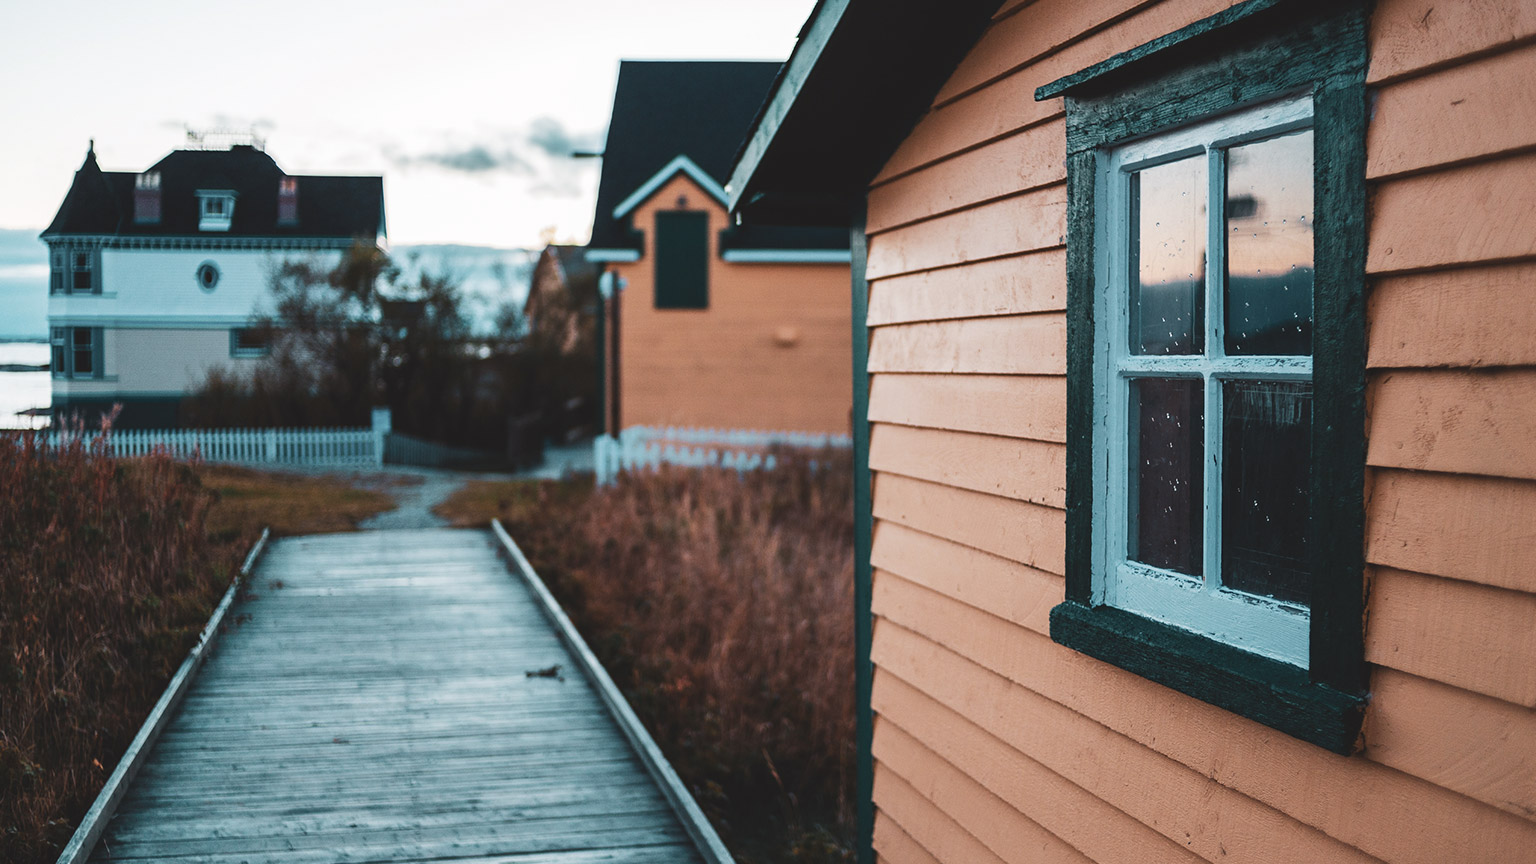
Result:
[[467, 107]]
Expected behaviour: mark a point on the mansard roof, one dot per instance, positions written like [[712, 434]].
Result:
[[101, 202]]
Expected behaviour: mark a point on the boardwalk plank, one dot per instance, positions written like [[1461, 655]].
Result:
[[369, 702]]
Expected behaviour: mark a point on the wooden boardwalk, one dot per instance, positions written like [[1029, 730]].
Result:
[[370, 701]]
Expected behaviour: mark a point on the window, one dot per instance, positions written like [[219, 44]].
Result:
[[682, 259], [216, 210], [58, 267], [1215, 256], [207, 275], [288, 201], [249, 342], [1203, 391], [76, 352], [82, 268]]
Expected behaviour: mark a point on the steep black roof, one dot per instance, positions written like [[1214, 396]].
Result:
[[101, 202], [698, 109], [862, 74]]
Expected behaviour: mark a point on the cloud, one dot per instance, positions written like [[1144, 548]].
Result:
[[475, 159], [543, 150], [550, 136]]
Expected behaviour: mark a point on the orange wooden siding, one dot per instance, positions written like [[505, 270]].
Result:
[[993, 742], [770, 352]]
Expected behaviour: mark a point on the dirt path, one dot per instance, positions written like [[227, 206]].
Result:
[[416, 500]]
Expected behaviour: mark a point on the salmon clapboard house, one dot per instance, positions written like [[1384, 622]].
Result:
[[709, 324], [156, 275], [1193, 368]]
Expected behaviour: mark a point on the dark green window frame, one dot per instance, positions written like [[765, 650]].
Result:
[[1259, 51], [682, 259]]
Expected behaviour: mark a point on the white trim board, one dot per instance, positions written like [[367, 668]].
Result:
[[613, 256], [787, 256], [648, 188]]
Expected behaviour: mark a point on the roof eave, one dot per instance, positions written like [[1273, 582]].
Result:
[[813, 40]]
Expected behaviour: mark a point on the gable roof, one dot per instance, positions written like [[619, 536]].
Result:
[[862, 74], [101, 202], [697, 111]]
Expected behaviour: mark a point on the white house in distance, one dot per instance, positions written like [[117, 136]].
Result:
[[155, 276]]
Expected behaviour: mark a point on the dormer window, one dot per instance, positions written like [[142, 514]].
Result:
[[216, 210]]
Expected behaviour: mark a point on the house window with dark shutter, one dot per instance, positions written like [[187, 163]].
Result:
[[682, 259]]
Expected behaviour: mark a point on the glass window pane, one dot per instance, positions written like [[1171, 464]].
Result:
[[1266, 450], [1167, 473], [1269, 246], [1168, 217]]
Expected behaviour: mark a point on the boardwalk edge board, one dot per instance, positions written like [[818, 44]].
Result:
[[94, 824], [688, 812]]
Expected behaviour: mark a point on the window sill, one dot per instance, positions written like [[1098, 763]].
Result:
[[1267, 691]]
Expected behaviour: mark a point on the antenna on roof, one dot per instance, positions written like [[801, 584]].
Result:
[[223, 138]]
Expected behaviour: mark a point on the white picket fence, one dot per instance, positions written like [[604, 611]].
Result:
[[641, 447], [354, 447]]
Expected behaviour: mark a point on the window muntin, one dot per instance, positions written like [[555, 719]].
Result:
[[57, 269], [82, 270], [76, 352], [1185, 398]]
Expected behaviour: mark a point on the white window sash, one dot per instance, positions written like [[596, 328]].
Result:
[[1257, 624]]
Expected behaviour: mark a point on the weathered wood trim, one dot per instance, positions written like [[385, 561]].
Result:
[[1184, 38], [94, 823], [677, 795], [1270, 692]]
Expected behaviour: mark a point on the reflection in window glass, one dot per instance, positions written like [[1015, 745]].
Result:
[[1168, 216], [1167, 470], [1266, 443], [1269, 246]]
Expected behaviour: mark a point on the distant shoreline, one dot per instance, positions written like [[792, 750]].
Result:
[[23, 367]]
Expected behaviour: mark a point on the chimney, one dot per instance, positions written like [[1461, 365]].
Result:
[[146, 198], [288, 201]]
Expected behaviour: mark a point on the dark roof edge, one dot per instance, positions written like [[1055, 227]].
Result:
[[792, 76], [1071, 85]]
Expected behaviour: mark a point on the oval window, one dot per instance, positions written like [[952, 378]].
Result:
[[207, 275]]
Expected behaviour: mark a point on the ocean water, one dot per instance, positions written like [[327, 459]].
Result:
[[22, 390]]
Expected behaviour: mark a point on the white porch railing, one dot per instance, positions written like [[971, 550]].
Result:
[[744, 450]]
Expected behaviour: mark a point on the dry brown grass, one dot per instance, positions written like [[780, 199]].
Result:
[[109, 569], [723, 607], [289, 503]]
